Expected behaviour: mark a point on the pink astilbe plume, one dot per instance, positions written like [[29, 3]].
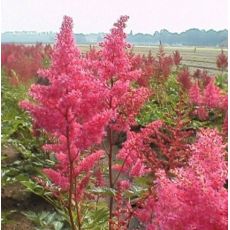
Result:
[[71, 111], [162, 65], [88, 162], [202, 77], [212, 95], [195, 198], [21, 62], [65, 55], [208, 97], [222, 61], [57, 178], [195, 94], [114, 53], [184, 79], [145, 64], [113, 67], [176, 58], [197, 74]]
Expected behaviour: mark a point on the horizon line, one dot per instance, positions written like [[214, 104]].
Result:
[[37, 31]]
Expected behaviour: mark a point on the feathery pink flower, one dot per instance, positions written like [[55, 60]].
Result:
[[195, 94], [184, 79], [177, 58], [65, 56], [212, 95], [71, 110], [123, 185], [222, 61], [195, 198]]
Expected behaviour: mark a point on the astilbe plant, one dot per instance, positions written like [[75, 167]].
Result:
[[222, 65], [145, 64], [204, 95], [156, 146], [222, 61], [177, 58], [21, 62], [195, 197], [187, 80], [162, 65], [113, 68], [84, 94], [67, 110], [123, 99], [124, 211], [184, 79], [202, 77], [209, 99]]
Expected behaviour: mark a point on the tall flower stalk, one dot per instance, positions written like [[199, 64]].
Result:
[[118, 76], [70, 111]]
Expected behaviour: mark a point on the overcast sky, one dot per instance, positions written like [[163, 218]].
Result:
[[146, 16]]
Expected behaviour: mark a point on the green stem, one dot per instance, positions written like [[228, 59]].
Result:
[[70, 180], [110, 176]]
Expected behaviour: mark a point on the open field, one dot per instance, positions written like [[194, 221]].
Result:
[[193, 57], [199, 57]]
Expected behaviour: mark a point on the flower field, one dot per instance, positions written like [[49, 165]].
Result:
[[113, 136]]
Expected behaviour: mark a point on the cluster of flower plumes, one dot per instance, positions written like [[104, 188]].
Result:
[[94, 96], [79, 103], [204, 95], [21, 62], [195, 197], [222, 61]]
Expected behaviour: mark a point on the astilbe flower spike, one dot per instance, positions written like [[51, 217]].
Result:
[[208, 97], [69, 110], [222, 61], [195, 94], [184, 79], [113, 69], [212, 95], [202, 77], [145, 64], [177, 58], [162, 66], [123, 211], [65, 55]]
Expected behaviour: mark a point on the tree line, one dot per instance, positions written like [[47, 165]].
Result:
[[191, 37]]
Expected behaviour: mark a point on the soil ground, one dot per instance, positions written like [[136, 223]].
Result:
[[15, 200]]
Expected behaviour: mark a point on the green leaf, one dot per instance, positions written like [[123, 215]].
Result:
[[33, 187], [104, 191], [96, 219], [58, 225]]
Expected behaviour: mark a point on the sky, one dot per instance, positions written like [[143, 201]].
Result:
[[92, 16]]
